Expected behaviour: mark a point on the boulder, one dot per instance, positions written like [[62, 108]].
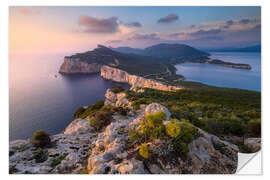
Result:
[[154, 107]]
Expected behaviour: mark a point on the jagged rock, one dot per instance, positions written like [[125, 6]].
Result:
[[111, 151], [253, 143], [75, 142], [77, 126], [118, 100]]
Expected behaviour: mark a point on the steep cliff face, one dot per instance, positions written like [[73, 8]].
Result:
[[119, 75], [73, 65]]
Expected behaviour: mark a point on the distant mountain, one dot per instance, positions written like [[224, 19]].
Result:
[[256, 48], [178, 51]]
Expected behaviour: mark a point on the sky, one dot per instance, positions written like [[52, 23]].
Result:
[[72, 29]]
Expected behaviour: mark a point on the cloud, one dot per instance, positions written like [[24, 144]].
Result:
[[202, 32], [168, 19], [99, 25], [244, 21], [134, 24], [175, 35], [27, 11], [229, 23], [114, 41], [192, 26], [152, 37]]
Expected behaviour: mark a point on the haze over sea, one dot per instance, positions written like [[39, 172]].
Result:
[[40, 98]]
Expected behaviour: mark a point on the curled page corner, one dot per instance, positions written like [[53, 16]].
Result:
[[249, 163]]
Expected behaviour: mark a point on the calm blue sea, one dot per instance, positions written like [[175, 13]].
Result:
[[223, 76], [41, 98]]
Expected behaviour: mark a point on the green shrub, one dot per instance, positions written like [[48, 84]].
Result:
[[58, 160], [39, 155], [254, 128], [117, 89], [134, 135], [89, 111], [40, 139], [143, 151], [173, 128], [78, 113], [100, 120], [153, 126], [186, 135]]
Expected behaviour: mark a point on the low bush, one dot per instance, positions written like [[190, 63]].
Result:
[[40, 139], [89, 111], [100, 120], [254, 128], [39, 155], [153, 126], [173, 128], [185, 135], [117, 89], [143, 151], [58, 160]]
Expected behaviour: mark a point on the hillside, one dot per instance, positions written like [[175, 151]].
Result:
[[166, 51]]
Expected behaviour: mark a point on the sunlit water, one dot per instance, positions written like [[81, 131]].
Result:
[[223, 76], [41, 98]]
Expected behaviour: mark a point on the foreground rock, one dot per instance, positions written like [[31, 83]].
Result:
[[254, 144], [74, 144], [80, 149]]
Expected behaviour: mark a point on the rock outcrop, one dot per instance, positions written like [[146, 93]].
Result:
[[119, 75], [73, 66], [254, 144], [74, 144], [118, 100], [79, 148]]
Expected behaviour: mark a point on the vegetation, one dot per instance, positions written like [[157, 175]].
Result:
[[117, 89], [143, 151], [186, 134], [58, 160], [254, 128], [40, 139], [39, 155], [221, 111], [89, 111], [100, 120], [180, 133]]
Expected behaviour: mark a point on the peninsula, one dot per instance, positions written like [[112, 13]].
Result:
[[152, 67]]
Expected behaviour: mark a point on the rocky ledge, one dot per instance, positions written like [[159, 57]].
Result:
[[82, 149], [119, 75]]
